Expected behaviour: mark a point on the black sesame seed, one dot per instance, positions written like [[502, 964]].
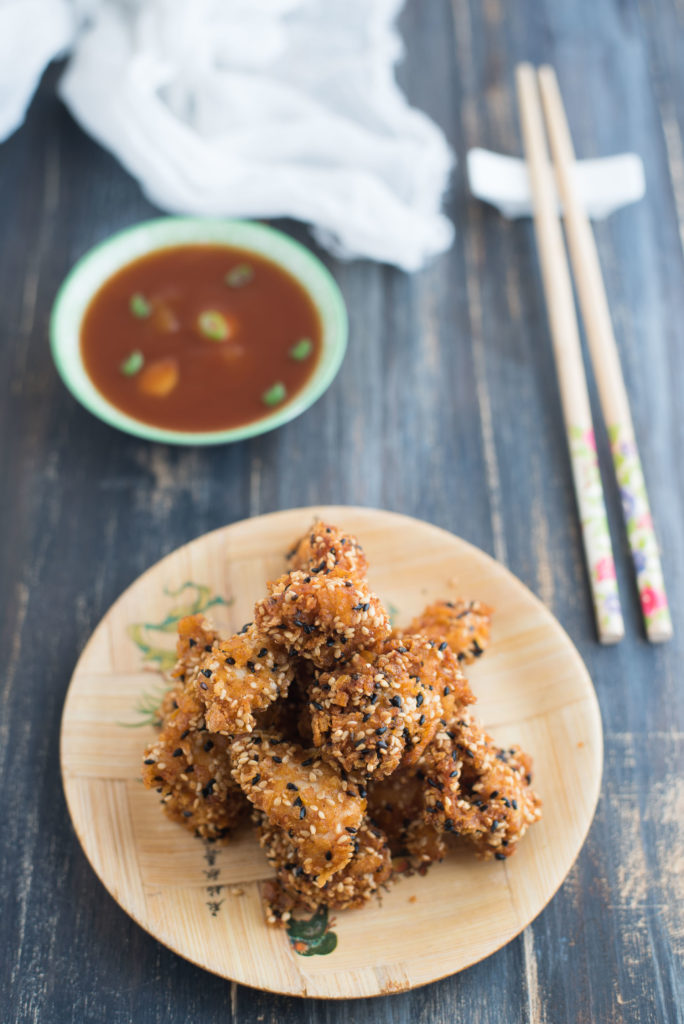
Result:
[[206, 672], [192, 643], [352, 831], [494, 794], [396, 700], [187, 814], [208, 745], [500, 856], [319, 707], [230, 661], [328, 855], [447, 691], [495, 825], [204, 686], [184, 734], [421, 720], [291, 785], [149, 760], [302, 813], [514, 805], [309, 760], [250, 666], [177, 752], [419, 699], [379, 732], [207, 647], [256, 779], [278, 760], [439, 805]]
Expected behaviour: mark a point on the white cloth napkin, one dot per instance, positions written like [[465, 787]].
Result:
[[266, 108]]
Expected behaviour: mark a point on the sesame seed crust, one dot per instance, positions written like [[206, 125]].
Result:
[[190, 768], [302, 794], [324, 618], [294, 889], [464, 625], [239, 677], [478, 790], [324, 548]]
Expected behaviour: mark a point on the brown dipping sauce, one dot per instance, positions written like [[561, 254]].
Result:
[[200, 337]]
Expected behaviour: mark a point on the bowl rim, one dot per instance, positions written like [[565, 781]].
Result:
[[320, 286]]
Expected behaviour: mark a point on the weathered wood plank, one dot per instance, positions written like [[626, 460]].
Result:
[[446, 408]]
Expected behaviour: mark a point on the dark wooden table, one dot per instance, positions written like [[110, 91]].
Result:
[[446, 408]]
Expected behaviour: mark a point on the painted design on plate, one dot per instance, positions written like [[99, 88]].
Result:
[[164, 654], [312, 936]]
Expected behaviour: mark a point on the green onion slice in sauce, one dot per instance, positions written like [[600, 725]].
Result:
[[213, 325], [275, 394], [132, 364], [239, 275], [302, 349], [139, 306]]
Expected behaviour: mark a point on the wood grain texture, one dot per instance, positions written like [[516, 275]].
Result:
[[532, 688], [446, 408]]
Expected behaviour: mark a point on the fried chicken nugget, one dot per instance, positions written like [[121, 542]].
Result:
[[325, 548], [302, 794], [438, 669], [380, 709], [196, 635], [396, 804], [479, 790], [191, 769], [352, 886], [464, 625], [238, 677], [324, 618]]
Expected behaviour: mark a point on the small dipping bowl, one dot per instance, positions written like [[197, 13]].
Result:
[[105, 259]]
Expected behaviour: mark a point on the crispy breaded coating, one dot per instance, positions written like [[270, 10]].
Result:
[[238, 677], [464, 625], [324, 548], [396, 804], [349, 888], [376, 710], [191, 769], [324, 618], [438, 669], [196, 635], [302, 794], [479, 790]]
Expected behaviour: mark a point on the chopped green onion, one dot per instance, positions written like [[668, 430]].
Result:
[[139, 306], [275, 395], [213, 325], [302, 349], [239, 275], [132, 364]]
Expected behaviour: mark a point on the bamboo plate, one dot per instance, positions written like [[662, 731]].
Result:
[[203, 900]]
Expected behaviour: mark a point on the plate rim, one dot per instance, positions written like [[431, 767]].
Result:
[[326, 511]]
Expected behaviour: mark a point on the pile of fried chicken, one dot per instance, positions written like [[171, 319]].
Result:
[[349, 741]]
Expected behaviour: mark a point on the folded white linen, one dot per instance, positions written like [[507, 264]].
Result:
[[267, 108]]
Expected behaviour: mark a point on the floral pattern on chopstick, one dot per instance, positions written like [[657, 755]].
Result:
[[640, 532], [595, 531]]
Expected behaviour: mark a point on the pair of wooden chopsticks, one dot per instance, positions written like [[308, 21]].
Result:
[[570, 367]]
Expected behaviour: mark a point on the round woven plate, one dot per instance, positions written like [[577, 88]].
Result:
[[203, 900]]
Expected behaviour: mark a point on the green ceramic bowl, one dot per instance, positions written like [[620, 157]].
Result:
[[93, 269]]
